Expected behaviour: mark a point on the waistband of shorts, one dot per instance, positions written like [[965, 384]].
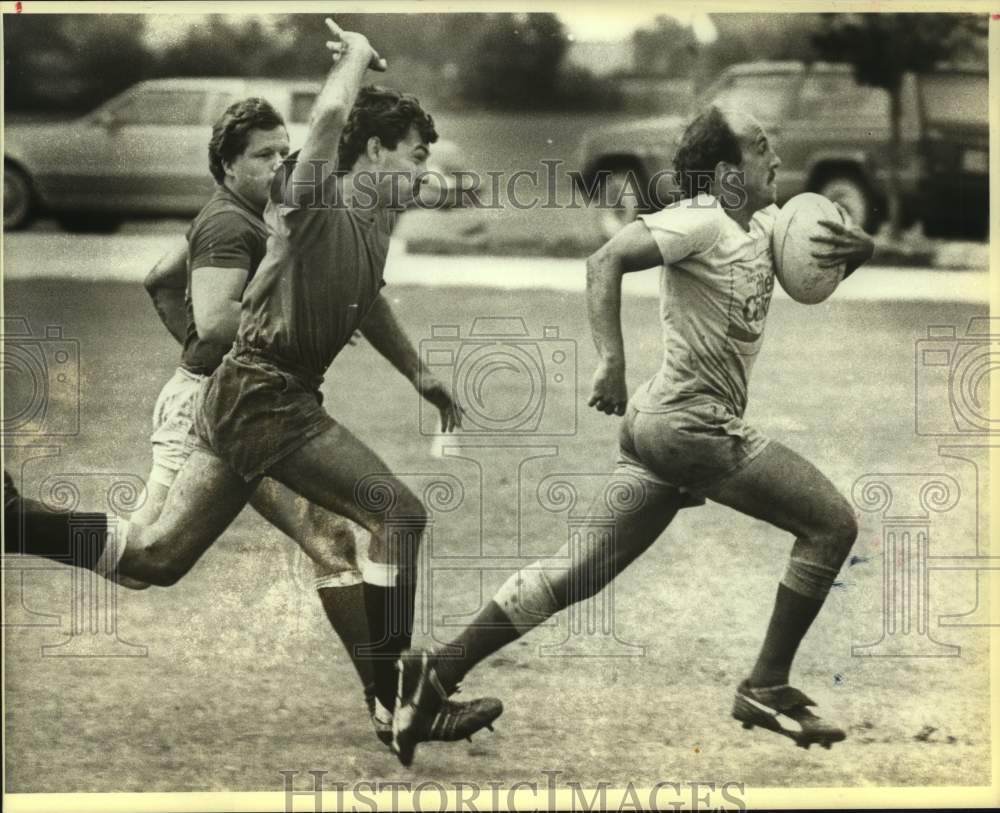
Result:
[[247, 353], [693, 400]]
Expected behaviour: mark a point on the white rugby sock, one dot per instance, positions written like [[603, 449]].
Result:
[[115, 540]]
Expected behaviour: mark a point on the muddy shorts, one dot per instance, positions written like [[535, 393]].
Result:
[[691, 448], [252, 413]]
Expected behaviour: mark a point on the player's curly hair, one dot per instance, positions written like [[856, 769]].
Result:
[[386, 113], [707, 140], [232, 131]]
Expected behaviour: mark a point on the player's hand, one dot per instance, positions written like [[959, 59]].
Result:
[[848, 243], [356, 337], [341, 42], [435, 391], [608, 393]]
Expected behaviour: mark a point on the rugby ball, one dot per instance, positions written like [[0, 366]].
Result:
[[792, 247]]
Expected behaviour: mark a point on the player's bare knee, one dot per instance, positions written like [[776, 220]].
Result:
[[157, 562], [834, 537]]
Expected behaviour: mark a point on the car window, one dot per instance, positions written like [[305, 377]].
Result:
[[177, 107], [763, 96], [831, 95], [956, 98], [302, 104]]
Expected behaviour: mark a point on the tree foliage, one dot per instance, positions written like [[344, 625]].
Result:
[[884, 47]]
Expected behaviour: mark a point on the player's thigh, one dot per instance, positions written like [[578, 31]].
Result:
[[329, 539], [781, 487], [629, 515], [202, 502], [152, 504], [337, 471]]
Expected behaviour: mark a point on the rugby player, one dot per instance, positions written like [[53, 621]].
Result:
[[196, 292], [684, 439], [259, 413]]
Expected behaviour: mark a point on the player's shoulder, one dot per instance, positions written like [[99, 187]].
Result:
[[767, 216], [222, 215], [701, 216]]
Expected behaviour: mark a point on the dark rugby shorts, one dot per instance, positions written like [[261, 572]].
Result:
[[252, 413]]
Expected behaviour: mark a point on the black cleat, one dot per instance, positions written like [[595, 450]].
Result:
[[784, 710], [424, 713], [459, 721], [454, 721]]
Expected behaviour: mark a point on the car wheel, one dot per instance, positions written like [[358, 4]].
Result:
[[623, 192], [82, 223], [853, 195], [18, 204]]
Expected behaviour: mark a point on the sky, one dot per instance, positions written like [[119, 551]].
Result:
[[589, 23], [597, 25]]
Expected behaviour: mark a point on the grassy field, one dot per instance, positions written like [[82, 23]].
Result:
[[242, 677]]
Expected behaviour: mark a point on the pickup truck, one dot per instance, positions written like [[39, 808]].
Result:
[[832, 137]]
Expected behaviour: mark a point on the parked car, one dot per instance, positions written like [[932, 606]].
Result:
[[145, 152], [832, 136]]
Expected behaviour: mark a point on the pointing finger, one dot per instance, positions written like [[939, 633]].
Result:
[[335, 29]]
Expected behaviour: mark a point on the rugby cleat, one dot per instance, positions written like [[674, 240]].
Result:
[[455, 720], [459, 721], [784, 710], [424, 713]]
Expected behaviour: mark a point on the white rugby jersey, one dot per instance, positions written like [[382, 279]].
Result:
[[715, 290]]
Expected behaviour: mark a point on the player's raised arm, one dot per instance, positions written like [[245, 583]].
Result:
[[632, 249], [166, 284], [352, 56]]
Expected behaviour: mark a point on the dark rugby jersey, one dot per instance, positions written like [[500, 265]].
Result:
[[322, 272], [227, 233]]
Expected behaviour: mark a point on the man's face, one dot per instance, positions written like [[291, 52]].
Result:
[[760, 163], [400, 172], [250, 173]]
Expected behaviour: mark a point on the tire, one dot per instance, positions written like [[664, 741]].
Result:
[[853, 194], [626, 207], [18, 198]]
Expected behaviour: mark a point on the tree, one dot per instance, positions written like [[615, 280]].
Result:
[[515, 62], [882, 48], [666, 48]]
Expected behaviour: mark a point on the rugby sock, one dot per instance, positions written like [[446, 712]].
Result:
[[32, 528], [343, 598], [389, 596], [490, 632], [523, 602], [793, 614]]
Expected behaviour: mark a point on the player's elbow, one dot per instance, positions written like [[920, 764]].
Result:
[[152, 283]]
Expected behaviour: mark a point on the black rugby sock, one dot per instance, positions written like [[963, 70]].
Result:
[[345, 610], [490, 632], [68, 537], [390, 625], [790, 621]]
